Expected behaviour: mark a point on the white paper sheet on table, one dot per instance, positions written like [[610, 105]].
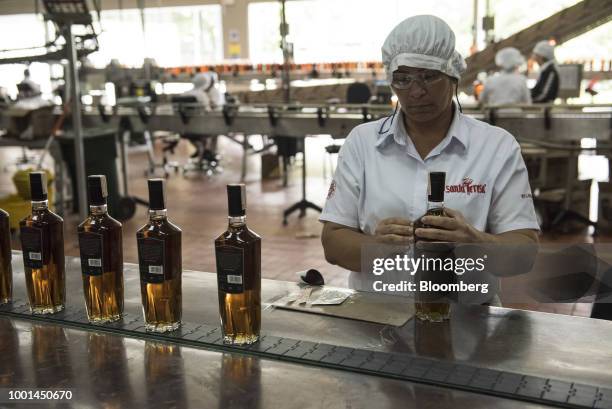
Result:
[[351, 304]]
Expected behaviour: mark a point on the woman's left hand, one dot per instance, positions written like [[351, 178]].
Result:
[[452, 228]]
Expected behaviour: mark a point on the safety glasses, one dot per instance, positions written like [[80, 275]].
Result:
[[426, 80]]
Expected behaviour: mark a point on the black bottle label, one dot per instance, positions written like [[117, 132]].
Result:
[[32, 245], [151, 258], [230, 269], [92, 255]]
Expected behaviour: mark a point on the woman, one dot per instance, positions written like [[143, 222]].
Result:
[[380, 184], [547, 85], [508, 86]]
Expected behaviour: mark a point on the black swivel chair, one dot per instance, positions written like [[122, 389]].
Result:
[[358, 93], [204, 161]]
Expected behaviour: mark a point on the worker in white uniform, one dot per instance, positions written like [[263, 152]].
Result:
[[206, 91], [548, 83], [508, 86], [201, 83], [215, 96], [380, 184]]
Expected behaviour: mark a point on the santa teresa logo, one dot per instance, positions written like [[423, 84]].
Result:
[[467, 186]]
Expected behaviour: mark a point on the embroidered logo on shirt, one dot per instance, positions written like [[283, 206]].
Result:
[[526, 196], [467, 186], [332, 190]]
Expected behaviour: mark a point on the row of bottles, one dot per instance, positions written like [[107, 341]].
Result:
[[238, 257]]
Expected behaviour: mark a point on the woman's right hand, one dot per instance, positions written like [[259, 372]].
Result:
[[394, 230]]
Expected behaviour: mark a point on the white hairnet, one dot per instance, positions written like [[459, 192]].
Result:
[[509, 58], [544, 49], [201, 80], [422, 42]]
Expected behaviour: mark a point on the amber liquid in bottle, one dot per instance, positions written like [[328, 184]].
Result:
[[6, 272], [426, 306], [160, 263], [100, 242], [238, 256], [42, 243]]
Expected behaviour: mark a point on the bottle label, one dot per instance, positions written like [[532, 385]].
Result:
[[151, 258], [230, 269], [92, 255], [32, 245]]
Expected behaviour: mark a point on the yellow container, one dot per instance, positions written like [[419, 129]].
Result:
[[18, 205], [21, 179]]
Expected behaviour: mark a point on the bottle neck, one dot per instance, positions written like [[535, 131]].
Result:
[[435, 205], [40, 205], [158, 214], [98, 210], [236, 221]]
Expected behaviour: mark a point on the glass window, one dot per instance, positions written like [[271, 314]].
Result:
[[264, 33], [344, 30], [184, 35], [121, 38], [175, 36], [19, 31]]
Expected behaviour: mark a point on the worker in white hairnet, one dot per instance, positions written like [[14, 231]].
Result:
[[546, 88], [206, 91], [380, 186], [201, 83], [508, 86]]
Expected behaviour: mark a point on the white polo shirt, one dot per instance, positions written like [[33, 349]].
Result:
[[380, 174]]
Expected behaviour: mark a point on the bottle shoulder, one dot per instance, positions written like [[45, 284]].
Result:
[[436, 211], [41, 218], [238, 236], [99, 223], [159, 228]]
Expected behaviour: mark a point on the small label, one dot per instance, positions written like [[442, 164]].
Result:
[[32, 247], [156, 269], [35, 256], [94, 262], [234, 279], [151, 259], [230, 269], [91, 247]]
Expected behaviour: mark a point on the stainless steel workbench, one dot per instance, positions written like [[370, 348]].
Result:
[[108, 370]]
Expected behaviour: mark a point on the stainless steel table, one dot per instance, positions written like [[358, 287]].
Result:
[[117, 371]]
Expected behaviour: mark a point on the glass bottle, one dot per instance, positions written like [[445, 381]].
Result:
[[42, 244], [238, 256], [6, 272], [101, 250], [159, 259], [429, 305]]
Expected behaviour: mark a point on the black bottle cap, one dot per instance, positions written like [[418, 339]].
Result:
[[437, 183], [236, 200], [157, 194], [38, 186], [97, 190]]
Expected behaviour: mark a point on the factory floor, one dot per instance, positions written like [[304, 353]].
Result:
[[198, 204]]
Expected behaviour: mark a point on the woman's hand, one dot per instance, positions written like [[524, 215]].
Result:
[[394, 230], [453, 228]]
